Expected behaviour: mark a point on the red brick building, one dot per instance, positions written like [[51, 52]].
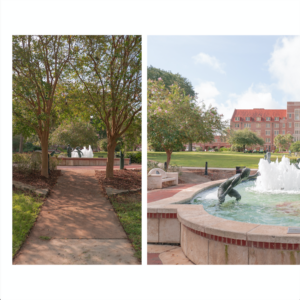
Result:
[[217, 143], [266, 123]]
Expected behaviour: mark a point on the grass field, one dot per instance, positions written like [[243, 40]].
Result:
[[129, 210], [214, 159], [26, 208]]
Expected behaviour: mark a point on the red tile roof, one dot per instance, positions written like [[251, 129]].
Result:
[[258, 112]]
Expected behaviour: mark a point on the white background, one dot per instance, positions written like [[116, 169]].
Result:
[[146, 18]]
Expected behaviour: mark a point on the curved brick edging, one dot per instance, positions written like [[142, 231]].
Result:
[[201, 234], [245, 243], [163, 215]]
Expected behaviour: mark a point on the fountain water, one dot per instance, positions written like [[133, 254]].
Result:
[[87, 153], [278, 176]]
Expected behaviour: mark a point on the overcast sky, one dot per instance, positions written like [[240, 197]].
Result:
[[233, 71]]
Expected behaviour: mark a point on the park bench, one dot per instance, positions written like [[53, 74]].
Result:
[[157, 176]]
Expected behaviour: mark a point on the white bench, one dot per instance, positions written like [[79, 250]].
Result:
[[157, 176]]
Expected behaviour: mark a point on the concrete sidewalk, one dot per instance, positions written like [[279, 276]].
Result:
[[82, 224], [166, 255]]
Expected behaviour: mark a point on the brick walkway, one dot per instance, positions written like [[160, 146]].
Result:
[[82, 224]]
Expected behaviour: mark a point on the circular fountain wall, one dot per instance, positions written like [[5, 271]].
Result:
[[273, 199]]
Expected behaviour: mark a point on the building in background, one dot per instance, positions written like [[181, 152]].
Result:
[[266, 123]]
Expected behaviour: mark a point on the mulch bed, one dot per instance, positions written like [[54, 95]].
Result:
[[122, 180], [35, 179]]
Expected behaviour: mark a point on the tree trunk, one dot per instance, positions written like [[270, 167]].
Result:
[[110, 157], [44, 143], [21, 144], [169, 153], [190, 146]]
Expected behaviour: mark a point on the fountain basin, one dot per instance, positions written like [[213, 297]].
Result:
[[279, 207], [82, 161], [208, 239]]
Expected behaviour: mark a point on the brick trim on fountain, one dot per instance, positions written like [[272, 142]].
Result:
[[245, 243], [161, 215]]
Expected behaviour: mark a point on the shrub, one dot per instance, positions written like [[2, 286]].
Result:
[[54, 161], [103, 144], [26, 164], [135, 157], [295, 147], [29, 147], [198, 149], [225, 149]]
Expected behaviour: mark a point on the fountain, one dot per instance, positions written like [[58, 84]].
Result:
[[261, 228], [272, 199], [85, 153]]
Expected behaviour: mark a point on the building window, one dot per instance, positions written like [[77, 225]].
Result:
[[258, 132], [247, 118], [247, 125], [290, 125], [290, 116], [283, 125], [257, 125], [258, 119], [268, 119], [283, 131], [297, 114], [276, 132], [297, 125], [268, 132], [268, 140], [236, 125], [268, 125], [276, 125], [237, 118], [276, 118]]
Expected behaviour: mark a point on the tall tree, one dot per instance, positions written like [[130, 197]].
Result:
[[109, 69], [244, 137], [39, 63], [170, 78], [172, 114]]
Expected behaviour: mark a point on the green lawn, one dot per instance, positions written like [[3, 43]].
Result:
[[129, 210], [26, 208], [214, 159]]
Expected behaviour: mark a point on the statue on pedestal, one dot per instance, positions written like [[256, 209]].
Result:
[[227, 187], [78, 151]]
